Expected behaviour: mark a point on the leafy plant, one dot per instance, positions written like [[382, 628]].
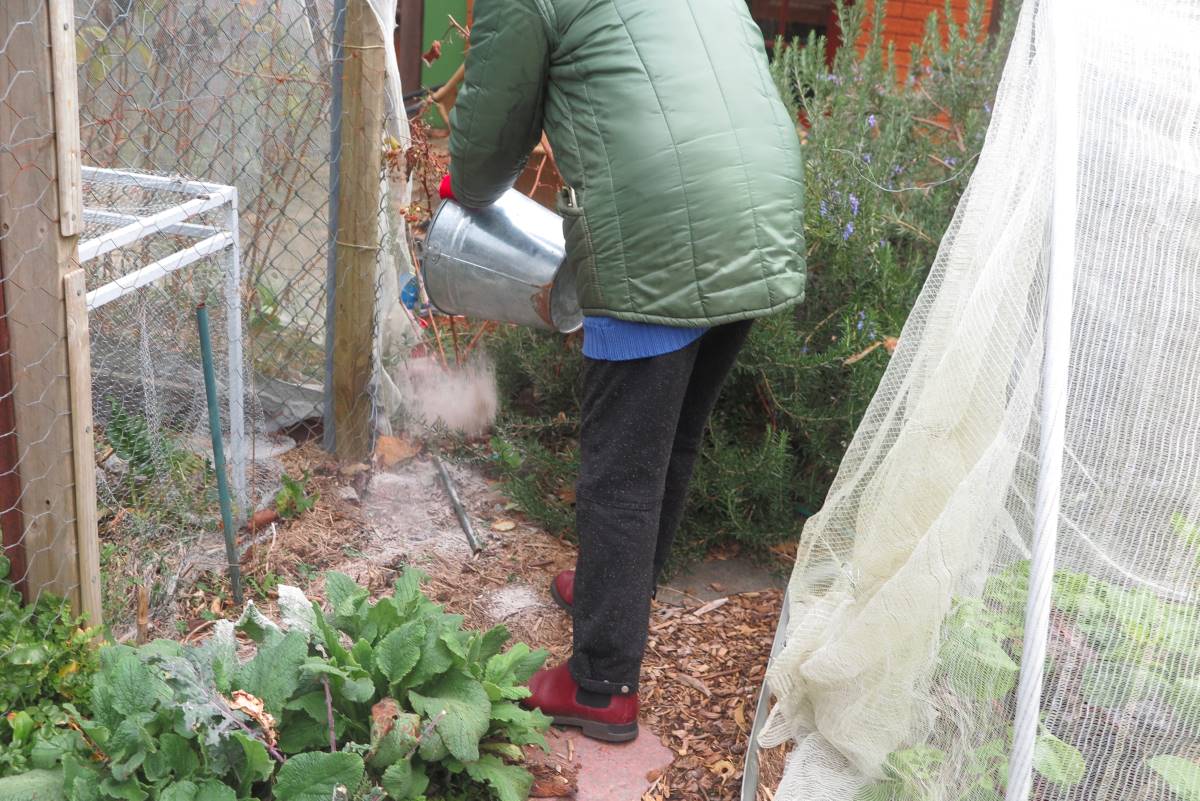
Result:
[[1181, 775], [294, 499], [47, 658], [386, 698], [1137, 651]]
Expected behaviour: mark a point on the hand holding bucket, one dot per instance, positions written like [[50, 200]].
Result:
[[506, 262]]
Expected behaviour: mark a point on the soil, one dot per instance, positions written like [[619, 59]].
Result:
[[704, 662]]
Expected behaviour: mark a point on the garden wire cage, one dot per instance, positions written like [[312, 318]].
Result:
[[248, 94], [1001, 595], [215, 130]]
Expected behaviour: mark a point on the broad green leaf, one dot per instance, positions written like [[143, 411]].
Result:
[[329, 637], [382, 618], [918, 765], [1181, 775], [22, 726], [302, 733], [295, 610], [433, 748], [314, 776], [509, 782], [255, 625], [179, 791], [364, 655], [407, 588], [127, 790], [1110, 684], [399, 652], [509, 751], [215, 791], [48, 751], [1058, 761], [173, 757], [491, 643], [256, 765], [509, 693], [274, 673], [398, 779], [312, 703], [435, 659], [462, 710], [346, 601], [520, 726], [454, 641], [128, 686], [359, 689], [1185, 697]]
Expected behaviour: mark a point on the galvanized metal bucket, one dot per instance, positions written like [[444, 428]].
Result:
[[505, 262]]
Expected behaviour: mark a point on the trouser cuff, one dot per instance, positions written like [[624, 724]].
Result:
[[574, 665]]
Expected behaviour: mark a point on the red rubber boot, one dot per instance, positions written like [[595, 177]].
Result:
[[556, 694], [562, 590]]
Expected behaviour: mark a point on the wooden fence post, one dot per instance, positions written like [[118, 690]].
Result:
[[358, 235], [40, 216]]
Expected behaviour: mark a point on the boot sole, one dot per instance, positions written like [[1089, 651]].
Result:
[[558, 599], [604, 732]]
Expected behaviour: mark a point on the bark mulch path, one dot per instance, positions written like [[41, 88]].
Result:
[[704, 663]]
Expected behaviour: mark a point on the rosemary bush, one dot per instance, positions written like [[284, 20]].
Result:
[[887, 158]]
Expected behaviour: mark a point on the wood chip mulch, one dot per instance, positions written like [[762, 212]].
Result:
[[704, 661]]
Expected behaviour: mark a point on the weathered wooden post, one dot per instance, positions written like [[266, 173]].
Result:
[[357, 238], [47, 478]]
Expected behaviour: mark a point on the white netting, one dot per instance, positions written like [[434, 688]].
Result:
[[899, 677]]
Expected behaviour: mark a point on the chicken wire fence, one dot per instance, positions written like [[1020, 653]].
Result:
[[227, 110], [1001, 596], [40, 495]]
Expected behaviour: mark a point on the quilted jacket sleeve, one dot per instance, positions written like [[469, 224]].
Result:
[[497, 118]]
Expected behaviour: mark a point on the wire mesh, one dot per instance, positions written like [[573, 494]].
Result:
[[235, 93], [240, 94], [909, 646], [39, 570]]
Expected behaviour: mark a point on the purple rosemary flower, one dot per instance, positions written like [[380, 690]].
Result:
[[853, 204], [871, 121], [849, 230]]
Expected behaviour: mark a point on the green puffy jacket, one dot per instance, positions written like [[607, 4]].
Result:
[[685, 175]]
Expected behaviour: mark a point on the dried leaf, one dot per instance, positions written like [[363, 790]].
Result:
[[391, 451], [503, 525], [255, 709]]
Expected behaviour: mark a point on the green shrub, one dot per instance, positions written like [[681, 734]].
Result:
[[46, 660], [391, 698], [886, 162]]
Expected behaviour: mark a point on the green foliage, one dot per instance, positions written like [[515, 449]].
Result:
[[886, 160], [294, 499], [412, 699], [47, 659], [34, 785], [1138, 650], [1181, 775]]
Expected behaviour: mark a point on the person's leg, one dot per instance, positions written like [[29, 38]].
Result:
[[628, 419], [718, 351]]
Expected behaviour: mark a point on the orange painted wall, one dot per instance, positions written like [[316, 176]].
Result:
[[904, 23]]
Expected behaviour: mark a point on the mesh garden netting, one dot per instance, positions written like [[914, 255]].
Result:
[[1001, 595]]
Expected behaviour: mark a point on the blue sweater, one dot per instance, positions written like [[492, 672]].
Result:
[[613, 340]]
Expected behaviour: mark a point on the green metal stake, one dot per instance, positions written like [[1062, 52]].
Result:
[[214, 426]]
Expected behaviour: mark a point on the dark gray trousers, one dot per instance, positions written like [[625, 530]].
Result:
[[642, 425]]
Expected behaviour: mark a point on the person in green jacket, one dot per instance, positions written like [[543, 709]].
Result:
[[683, 221]]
